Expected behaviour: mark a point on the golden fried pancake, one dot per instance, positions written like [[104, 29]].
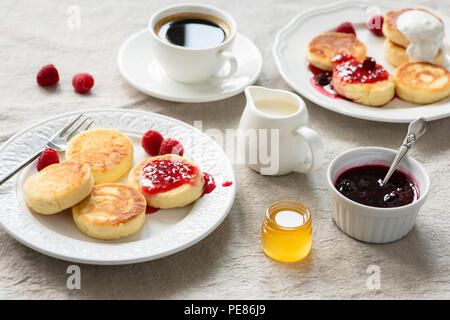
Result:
[[324, 47], [422, 82], [396, 55], [370, 94], [112, 211], [355, 82], [390, 29], [167, 181], [108, 152], [58, 187]]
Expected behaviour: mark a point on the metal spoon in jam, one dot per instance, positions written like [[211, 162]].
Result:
[[415, 130]]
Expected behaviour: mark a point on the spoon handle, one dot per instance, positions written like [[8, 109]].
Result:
[[415, 130], [409, 141]]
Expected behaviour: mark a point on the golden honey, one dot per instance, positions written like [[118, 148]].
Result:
[[286, 232]]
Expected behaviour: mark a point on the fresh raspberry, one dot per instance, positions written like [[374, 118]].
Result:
[[346, 27], [47, 76], [172, 146], [151, 141], [48, 157], [375, 25], [82, 82]]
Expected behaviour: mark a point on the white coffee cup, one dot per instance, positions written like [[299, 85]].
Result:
[[297, 147], [190, 65]]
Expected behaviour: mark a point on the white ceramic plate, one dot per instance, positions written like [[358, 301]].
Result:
[[141, 70], [289, 53], [164, 232]]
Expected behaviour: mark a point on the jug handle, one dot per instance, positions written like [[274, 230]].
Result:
[[316, 147]]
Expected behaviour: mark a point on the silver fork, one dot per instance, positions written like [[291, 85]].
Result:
[[57, 142]]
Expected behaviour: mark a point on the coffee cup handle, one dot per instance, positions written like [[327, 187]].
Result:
[[316, 147], [228, 56]]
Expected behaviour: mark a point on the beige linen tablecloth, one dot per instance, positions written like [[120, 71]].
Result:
[[228, 264]]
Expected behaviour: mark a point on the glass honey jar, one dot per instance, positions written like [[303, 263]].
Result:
[[286, 232]]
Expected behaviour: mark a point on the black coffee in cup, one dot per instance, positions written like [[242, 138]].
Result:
[[192, 30]]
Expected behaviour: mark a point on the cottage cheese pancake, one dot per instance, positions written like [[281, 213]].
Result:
[[112, 211], [108, 152], [58, 187], [422, 82], [364, 82], [390, 27], [167, 181], [396, 54], [326, 46]]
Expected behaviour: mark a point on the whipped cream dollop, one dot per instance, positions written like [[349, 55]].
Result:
[[425, 34]]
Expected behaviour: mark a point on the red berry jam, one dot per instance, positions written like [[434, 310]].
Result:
[[321, 81], [227, 184], [364, 185], [209, 185], [342, 57], [151, 210], [164, 175], [355, 71]]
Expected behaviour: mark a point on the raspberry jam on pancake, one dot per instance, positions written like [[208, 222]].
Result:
[[367, 71], [164, 175], [342, 57], [167, 181]]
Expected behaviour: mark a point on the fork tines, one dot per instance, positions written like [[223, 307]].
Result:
[[79, 124]]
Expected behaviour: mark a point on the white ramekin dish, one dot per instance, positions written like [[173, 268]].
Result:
[[371, 224]]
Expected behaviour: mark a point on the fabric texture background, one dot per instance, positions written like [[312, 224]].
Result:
[[229, 263]]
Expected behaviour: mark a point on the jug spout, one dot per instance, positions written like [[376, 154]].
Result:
[[257, 93], [253, 93]]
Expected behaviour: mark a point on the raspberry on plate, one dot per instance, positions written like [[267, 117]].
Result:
[[172, 146], [346, 27], [82, 82], [151, 142], [375, 25], [48, 157], [47, 76]]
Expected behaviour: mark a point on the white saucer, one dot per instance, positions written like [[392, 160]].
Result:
[[140, 69]]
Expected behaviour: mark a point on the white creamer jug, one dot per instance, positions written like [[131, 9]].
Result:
[[279, 120]]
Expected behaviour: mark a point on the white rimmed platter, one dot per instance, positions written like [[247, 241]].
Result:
[[289, 53], [164, 232], [141, 70]]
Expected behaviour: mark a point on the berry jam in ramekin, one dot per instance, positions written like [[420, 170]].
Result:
[[364, 185]]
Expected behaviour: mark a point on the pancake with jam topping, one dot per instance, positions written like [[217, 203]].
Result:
[[108, 152], [112, 211], [323, 48], [167, 181], [422, 82], [364, 82]]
